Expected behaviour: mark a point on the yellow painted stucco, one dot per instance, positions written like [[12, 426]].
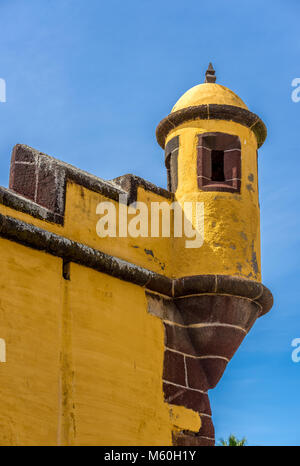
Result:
[[30, 316], [84, 365]]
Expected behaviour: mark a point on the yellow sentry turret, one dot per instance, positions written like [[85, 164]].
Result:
[[211, 140]]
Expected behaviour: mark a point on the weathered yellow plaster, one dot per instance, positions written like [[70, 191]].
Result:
[[84, 358], [184, 419], [231, 221], [80, 225], [30, 312]]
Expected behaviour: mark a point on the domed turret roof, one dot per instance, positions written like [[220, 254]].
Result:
[[208, 93], [210, 101]]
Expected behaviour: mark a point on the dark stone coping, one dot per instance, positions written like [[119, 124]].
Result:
[[17, 202], [23, 152], [43, 240], [212, 112], [124, 185]]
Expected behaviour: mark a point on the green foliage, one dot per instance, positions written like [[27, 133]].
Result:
[[232, 442]]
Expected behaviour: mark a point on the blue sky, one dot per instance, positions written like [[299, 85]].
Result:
[[88, 81]]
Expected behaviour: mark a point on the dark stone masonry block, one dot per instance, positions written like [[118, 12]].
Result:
[[47, 189], [183, 439], [174, 369], [214, 369], [207, 428], [186, 397], [216, 340], [209, 340], [196, 376], [194, 284], [177, 338], [23, 179], [239, 286], [219, 309], [22, 153]]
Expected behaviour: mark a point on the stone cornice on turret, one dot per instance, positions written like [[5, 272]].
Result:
[[212, 112]]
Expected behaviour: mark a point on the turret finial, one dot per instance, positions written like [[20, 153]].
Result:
[[210, 74]]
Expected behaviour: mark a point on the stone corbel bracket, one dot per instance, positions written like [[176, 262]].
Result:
[[205, 322]]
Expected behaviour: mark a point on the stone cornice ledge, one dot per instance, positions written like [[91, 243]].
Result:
[[212, 112], [72, 251]]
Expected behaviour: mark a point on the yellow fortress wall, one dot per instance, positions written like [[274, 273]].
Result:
[[84, 365], [117, 340]]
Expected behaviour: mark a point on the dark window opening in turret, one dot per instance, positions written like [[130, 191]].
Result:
[[217, 165], [171, 161], [219, 162]]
